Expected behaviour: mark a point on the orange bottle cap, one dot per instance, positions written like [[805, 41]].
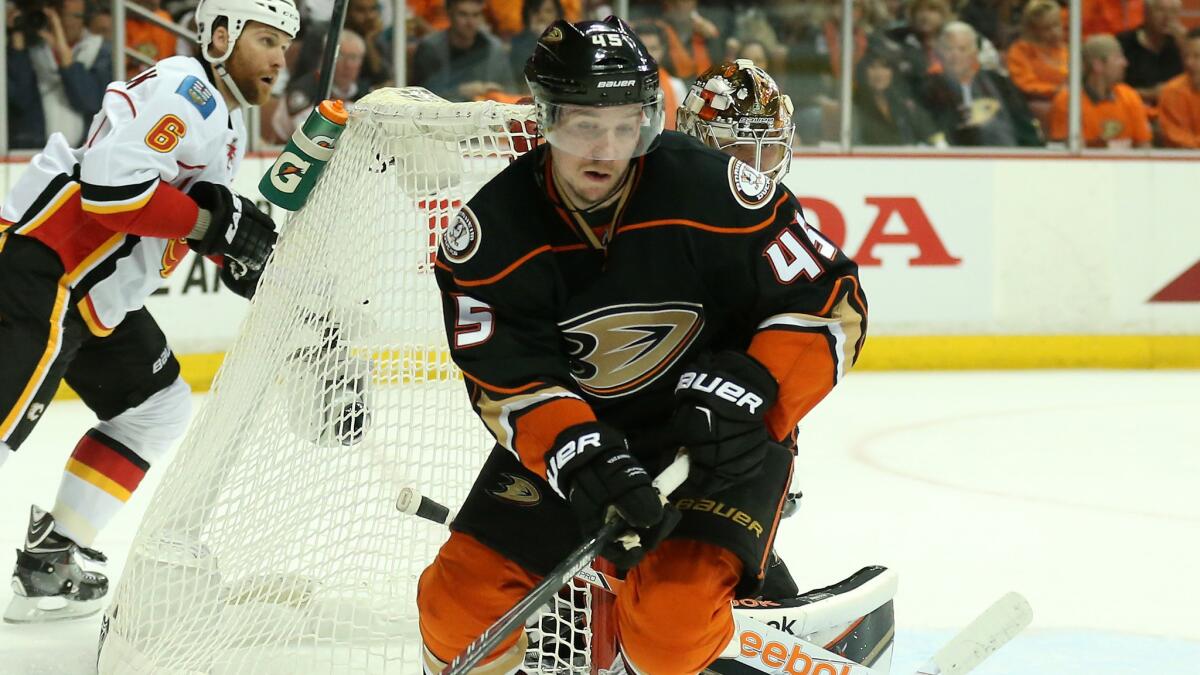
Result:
[[334, 111]]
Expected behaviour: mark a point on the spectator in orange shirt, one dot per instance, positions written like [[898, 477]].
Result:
[[1113, 114], [155, 42], [1179, 100], [508, 17], [425, 17], [1111, 16], [1037, 61], [688, 35]]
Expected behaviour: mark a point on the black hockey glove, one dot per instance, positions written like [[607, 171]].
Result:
[[244, 285], [235, 229], [722, 401], [591, 466]]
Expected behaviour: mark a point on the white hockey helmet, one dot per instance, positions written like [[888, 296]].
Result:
[[279, 14]]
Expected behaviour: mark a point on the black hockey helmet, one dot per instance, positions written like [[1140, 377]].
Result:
[[593, 64]]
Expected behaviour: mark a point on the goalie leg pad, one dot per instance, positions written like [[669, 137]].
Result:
[[673, 614], [466, 589]]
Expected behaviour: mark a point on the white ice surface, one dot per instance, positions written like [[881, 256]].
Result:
[[1079, 489]]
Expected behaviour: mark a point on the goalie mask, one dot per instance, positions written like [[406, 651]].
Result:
[[279, 14], [738, 109], [596, 90]]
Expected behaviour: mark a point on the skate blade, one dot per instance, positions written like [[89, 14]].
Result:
[[23, 609]]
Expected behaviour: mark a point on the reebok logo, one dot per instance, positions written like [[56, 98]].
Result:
[[777, 658], [566, 453], [608, 84], [721, 388]]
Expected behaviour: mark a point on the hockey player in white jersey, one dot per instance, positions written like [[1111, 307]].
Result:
[[86, 235]]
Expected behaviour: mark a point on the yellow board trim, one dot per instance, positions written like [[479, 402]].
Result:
[[1029, 352], [942, 352], [87, 473]]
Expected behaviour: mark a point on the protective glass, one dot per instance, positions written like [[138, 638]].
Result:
[[612, 132]]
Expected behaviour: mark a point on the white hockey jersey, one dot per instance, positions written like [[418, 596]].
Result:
[[169, 125]]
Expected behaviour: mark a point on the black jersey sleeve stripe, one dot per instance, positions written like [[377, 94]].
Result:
[[100, 194]]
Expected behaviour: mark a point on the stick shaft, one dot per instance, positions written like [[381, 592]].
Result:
[[336, 21]]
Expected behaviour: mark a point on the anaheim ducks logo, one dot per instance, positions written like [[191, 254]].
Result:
[[751, 187], [461, 239], [173, 254], [620, 349], [517, 490], [552, 36]]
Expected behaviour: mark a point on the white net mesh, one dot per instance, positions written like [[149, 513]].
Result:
[[273, 544]]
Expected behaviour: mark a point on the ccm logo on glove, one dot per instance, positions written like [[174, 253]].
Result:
[[721, 388]]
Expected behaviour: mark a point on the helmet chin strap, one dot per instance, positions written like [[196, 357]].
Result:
[[223, 73]]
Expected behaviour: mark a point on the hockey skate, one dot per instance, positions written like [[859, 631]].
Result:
[[48, 583]]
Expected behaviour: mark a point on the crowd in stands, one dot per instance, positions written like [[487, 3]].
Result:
[[925, 72]]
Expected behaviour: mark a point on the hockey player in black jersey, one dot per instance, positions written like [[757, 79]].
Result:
[[613, 295], [86, 235]]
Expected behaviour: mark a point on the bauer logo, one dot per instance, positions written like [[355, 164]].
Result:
[[461, 239], [722, 510], [610, 84], [751, 187], [289, 172], [778, 658]]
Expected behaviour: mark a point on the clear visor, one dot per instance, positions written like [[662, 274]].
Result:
[[768, 151], [612, 132]]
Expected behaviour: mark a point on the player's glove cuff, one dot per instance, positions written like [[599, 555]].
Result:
[[218, 209]]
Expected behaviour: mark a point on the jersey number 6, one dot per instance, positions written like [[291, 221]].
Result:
[[165, 135]]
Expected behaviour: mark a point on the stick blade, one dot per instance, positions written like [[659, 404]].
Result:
[[990, 631]]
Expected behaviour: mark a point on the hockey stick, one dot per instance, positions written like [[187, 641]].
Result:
[[666, 482], [990, 631]]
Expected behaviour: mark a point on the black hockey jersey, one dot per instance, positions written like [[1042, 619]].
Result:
[[555, 320]]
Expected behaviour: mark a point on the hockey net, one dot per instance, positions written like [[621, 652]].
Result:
[[273, 544]]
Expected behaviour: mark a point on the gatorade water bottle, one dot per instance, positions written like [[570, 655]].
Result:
[[290, 180]]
